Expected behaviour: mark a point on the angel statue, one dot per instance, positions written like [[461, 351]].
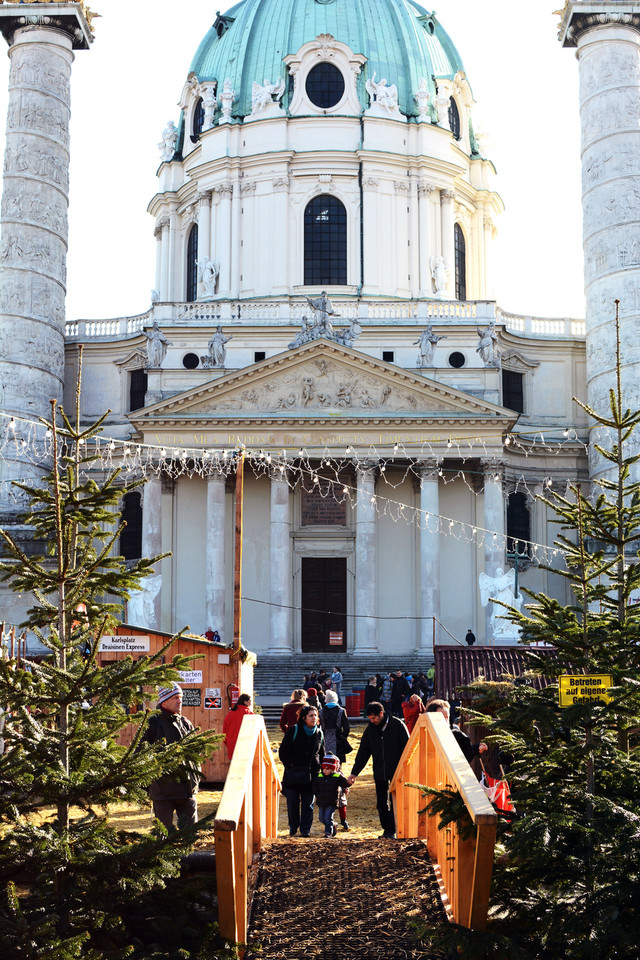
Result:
[[439, 274], [169, 138], [488, 345], [501, 588], [208, 275], [262, 94], [386, 96]]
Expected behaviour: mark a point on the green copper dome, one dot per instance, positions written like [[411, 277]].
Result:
[[401, 40]]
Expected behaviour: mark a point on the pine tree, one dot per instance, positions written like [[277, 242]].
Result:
[[68, 876], [567, 871]]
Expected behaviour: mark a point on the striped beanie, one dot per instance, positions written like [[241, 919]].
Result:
[[165, 693]]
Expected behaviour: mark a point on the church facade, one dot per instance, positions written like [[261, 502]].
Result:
[[323, 308]]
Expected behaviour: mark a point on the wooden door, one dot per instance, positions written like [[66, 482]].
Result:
[[324, 604]]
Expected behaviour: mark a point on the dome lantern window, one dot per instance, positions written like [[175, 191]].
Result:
[[454, 119], [197, 123]]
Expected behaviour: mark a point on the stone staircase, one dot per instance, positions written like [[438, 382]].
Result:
[[276, 676]]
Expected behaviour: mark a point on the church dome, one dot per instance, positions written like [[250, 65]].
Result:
[[400, 39]]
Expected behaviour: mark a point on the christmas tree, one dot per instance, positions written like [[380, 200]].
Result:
[[566, 880], [68, 877]]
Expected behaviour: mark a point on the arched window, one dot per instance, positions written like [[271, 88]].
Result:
[[198, 121], [461, 262], [131, 536], [518, 525], [454, 118], [325, 242], [192, 264]]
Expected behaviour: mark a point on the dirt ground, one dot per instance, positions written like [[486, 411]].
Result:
[[362, 815]]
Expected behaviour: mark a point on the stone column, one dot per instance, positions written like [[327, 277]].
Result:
[[151, 547], [448, 247], [204, 229], [281, 221], [35, 198], [424, 202], [372, 265], [494, 522], [607, 37], [158, 235], [224, 252], [216, 557], [280, 565], [366, 639], [429, 553], [165, 266]]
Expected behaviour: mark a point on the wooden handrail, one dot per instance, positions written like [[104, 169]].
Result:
[[433, 758], [247, 815]]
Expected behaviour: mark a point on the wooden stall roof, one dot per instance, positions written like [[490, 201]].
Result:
[[457, 666], [124, 628]]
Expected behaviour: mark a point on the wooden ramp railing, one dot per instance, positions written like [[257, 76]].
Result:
[[247, 814], [432, 757]]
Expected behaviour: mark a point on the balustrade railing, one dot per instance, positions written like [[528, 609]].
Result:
[[247, 815], [433, 758]]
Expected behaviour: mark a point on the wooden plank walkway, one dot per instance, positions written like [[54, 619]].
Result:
[[353, 899]]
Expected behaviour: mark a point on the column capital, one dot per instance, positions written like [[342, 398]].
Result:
[[162, 223], [493, 469], [203, 198], [73, 19], [366, 469], [447, 195], [429, 468], [580, 16], [425, 188]]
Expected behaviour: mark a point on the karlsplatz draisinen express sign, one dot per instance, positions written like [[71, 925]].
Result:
[[589, 689]]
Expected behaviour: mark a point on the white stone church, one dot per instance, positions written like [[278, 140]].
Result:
[[324, 221]]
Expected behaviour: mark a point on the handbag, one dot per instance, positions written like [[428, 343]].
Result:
[[297, 777]]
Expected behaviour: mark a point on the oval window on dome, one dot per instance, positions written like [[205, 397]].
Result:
[[325, 86], [454, 119], [198, 121]]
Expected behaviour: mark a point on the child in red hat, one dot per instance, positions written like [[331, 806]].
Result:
[[328, 786]]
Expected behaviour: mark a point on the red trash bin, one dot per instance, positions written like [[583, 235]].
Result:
[[352, 703]]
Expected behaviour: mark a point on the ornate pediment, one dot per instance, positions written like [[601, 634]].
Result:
[[317, 380]]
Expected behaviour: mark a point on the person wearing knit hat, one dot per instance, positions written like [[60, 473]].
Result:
[[328, 785], [335, 726], [170, 796]]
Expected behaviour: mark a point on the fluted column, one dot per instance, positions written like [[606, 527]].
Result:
[[448, 246], [151, 547], [424, 203], [281, 224], [204, 228], [216, 555], [429, 553], [366, 562], [494, 522], [162, 227], [224, 253], [372, 264], [281, 574]]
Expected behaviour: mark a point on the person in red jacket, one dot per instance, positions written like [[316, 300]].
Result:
[[233, 721], [291, 710], [412, 708]]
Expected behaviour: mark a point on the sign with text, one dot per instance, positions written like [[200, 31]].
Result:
[[320, 508], [110, 643], [213, 698], [192, 697], [589, 689], [336, 638], [190, 676]]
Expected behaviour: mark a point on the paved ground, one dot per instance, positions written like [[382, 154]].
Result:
[[343, 898]]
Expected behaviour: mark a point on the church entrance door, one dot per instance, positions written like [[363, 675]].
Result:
[[324, 604]]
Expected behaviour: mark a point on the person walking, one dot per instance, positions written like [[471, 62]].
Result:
[[233, 722], [329, 785], [335, 726], [383, 740], [336, 683], [169, 795], [470, 637], [301, 753], [412, 708], [291, 710]]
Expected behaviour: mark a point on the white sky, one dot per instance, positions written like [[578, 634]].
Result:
[[126, 88]]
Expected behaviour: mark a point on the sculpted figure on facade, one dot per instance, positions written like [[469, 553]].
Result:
[[323, 309], [227, 97], [167, 146], [382, 93], [427, 344], [265, 93], [502, 587], [423, 99], [488, 346], [217, 350], [156, 345], [349, 337], [439, 273], [141, 604], [304, 335], [209, 102], [208, 275]]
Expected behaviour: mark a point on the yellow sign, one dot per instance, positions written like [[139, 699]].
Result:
[[589, 689]]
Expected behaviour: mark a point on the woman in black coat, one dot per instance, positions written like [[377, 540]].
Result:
[[301, 752]]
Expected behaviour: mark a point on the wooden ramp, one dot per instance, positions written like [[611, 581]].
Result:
[[353, 899]]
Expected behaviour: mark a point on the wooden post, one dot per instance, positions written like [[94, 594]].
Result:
[[237, 577]]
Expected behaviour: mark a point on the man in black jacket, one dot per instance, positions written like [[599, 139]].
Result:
[[169, 796], [384, 740]]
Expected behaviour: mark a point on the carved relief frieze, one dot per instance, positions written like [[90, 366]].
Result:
[[31, 159], [29, 201], [37, 114]]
